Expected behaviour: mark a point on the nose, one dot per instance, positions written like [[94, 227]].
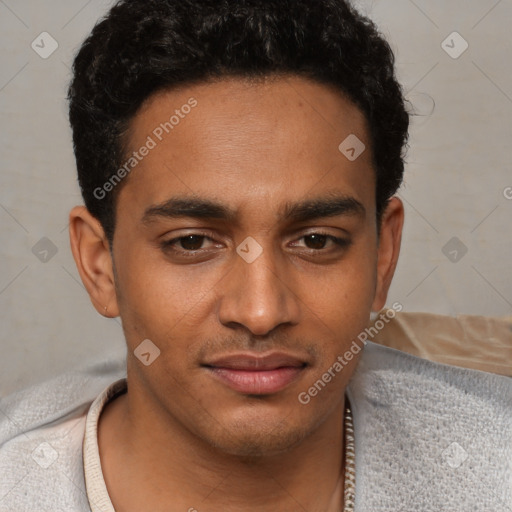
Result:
[[257, 295]]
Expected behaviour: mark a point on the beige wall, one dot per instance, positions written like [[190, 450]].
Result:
[[457, 178]]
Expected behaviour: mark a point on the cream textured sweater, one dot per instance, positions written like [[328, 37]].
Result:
[[429, 437]]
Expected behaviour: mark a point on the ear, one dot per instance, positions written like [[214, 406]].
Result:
[[388, 250], [93, 260]]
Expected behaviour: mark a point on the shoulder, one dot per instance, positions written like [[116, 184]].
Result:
[[403, 376], [430, 433], [41, 435]]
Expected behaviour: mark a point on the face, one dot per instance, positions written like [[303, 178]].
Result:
[[246, 239]]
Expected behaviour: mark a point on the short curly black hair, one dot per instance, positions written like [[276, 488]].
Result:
[[145, 46]]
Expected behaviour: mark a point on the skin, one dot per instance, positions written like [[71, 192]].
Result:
[[179, 439]]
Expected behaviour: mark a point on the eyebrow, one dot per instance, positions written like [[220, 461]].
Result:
[[302, 211]]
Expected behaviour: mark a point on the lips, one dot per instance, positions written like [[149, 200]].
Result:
[[253, 362], [256, 374]]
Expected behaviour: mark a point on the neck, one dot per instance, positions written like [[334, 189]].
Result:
[[179, 468]]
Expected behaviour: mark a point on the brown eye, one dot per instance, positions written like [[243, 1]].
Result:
[[191, 242], [193, 246], [316, 241], [322, 243]]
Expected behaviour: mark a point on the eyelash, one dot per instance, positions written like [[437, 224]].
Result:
[[168, 245]]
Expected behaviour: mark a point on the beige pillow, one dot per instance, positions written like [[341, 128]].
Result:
[[478, 342]]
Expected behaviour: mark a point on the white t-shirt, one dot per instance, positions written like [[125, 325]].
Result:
[[97, 493]]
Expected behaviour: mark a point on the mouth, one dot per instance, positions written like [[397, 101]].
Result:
[[255, 374]]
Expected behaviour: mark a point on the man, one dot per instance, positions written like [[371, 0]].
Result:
[[238, 162]]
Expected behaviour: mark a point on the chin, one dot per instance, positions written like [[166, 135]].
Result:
[[257, 440]]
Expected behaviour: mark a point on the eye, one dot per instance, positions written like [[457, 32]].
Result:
[[318, 241], [187, 243]]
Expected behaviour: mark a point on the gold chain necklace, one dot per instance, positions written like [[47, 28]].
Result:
[[350, 461]]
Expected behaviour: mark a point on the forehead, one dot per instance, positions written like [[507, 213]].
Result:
[[241, 141]]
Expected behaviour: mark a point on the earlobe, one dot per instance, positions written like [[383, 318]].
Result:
[[93, 260], [388, 250]]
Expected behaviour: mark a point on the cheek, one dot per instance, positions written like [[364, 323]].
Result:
[[154, 295], [341, 304], [158, 299], [345, 291]]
